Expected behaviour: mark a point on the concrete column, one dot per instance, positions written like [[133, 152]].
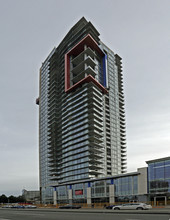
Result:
[[142, 181], [155, 201], [89, 196], [55, 196], [85, 57], [85, 66], [70, 196], [71, 74], [112, 194]]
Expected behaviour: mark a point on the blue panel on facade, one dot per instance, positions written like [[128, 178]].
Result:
[[70, 186], [112, 181], [104, 69], [88, 184]]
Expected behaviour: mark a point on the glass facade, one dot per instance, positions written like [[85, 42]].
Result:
[[114, 115], [148, 184], [45, 191], [98, 189], [124, 188], [159, 176]]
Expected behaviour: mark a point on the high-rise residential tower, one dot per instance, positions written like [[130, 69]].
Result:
[[81, 110]]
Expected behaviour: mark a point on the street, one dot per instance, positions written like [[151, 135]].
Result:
[[9, 214]]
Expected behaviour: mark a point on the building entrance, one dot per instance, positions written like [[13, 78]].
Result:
[[160, 200]]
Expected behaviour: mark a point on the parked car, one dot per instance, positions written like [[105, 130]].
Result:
[[17, 207], [6, 206], [30, 206], [70, 207], [137, 206], [109, 206]]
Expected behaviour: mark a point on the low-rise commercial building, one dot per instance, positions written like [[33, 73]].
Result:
[[148, 184], [31, 196]]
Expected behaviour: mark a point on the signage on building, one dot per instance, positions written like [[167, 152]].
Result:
[[79, 192]]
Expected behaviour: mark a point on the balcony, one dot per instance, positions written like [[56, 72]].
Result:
[[89, 61], [88, 71], [80, 57]]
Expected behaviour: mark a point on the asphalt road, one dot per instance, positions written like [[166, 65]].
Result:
[[9, 214]]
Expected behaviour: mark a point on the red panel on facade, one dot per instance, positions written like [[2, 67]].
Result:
[[88, 78], [79, 192], [67, 72], [90, 42], [76, 50]]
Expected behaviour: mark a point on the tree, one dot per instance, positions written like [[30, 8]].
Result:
[[12, 199], [20, 199], [3, 199]]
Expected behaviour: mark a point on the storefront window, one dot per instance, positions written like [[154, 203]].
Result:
[[126, 186]]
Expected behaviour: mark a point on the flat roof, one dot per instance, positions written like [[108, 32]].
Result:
[[157, 160]]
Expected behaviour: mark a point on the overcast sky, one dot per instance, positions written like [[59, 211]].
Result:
[[139, 31]]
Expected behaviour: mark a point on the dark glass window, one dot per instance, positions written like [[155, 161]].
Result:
[[159, 172], [158, 164], [167, 171], [151, 171], [167, 162]]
